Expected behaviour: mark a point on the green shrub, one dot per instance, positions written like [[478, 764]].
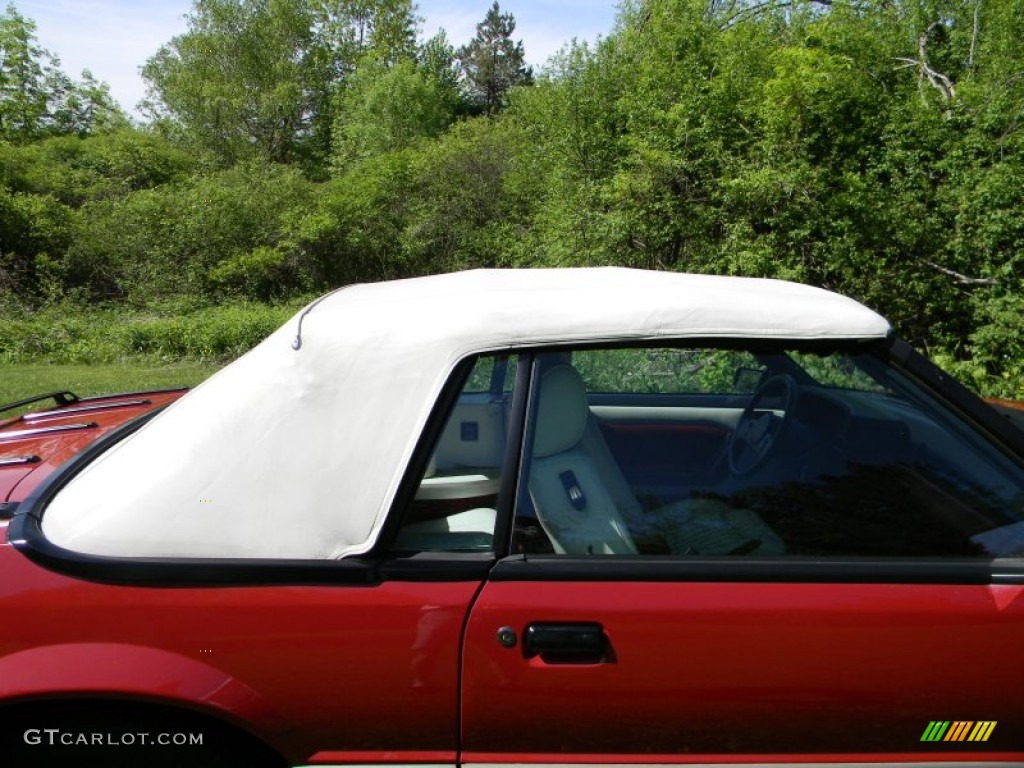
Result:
[[62, 335]]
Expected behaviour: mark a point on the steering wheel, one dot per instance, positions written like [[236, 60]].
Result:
[[758, 431]]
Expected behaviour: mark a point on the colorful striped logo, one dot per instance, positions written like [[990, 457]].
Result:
[[958, 730]]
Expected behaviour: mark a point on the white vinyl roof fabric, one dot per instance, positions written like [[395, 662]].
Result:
[[297, 453]]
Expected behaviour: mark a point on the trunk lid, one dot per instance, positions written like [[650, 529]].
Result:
[[34, 442]]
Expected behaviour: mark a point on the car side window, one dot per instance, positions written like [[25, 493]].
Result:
[[654, 371], [454, 508], [827, 454]]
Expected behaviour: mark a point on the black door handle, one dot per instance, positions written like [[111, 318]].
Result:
[[569, 643]]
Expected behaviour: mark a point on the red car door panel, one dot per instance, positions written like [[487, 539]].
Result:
[[745, 671]]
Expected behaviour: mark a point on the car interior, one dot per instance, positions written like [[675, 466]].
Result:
[[729, 453]]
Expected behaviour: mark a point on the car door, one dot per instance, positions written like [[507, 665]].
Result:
[[619, 652], [620, 662]]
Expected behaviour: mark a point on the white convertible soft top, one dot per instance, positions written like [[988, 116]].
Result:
[[297, 453]]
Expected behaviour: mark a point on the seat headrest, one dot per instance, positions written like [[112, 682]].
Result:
[[562, 413]]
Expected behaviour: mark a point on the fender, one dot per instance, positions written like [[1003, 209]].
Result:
[[113, 670]]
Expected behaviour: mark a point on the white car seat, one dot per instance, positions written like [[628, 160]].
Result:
[[583, 502]]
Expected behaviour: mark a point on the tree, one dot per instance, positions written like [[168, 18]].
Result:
[[439, 60], [491, 62], [385, 108], [392, 26], [258, 77], [438, 57], [37, 99], [23, 97], [205, 236], [86, 107], [239, 81]]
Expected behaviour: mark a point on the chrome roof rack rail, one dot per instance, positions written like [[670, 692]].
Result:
[[60, 398]]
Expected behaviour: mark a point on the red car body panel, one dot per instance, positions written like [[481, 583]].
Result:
[[746, 670], [296, 665]]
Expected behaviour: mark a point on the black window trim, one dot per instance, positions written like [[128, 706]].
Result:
[[757, 570], [515, 450]]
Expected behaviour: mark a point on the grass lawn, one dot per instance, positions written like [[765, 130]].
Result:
[[20, 381]]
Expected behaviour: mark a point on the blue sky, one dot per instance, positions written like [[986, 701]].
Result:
[[112, 38]]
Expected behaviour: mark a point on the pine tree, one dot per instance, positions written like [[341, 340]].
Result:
[[491, 62]]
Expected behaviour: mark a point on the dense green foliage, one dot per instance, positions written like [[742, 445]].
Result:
[[258, 78], [210, 334], [873, 148]]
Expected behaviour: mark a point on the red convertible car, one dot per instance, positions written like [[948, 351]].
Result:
[[503, 518]]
